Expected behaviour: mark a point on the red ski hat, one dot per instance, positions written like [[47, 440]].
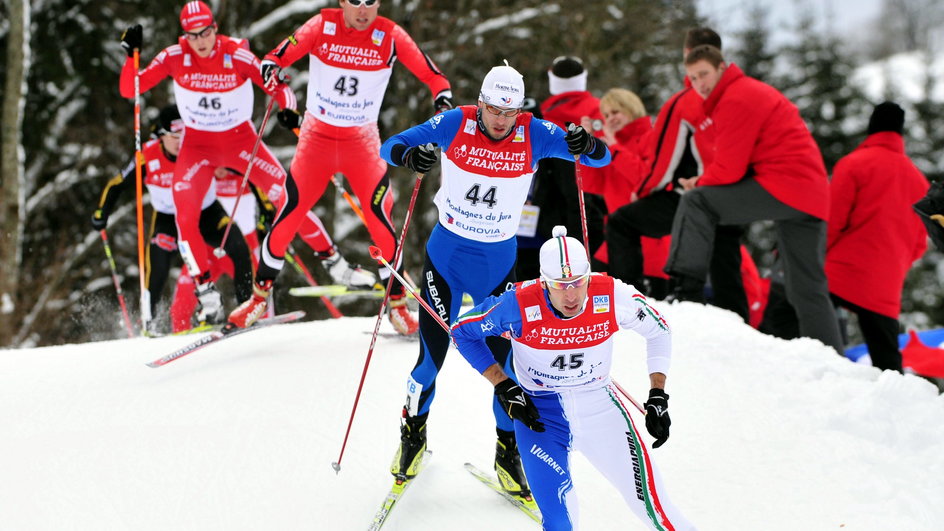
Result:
[[195, 15]]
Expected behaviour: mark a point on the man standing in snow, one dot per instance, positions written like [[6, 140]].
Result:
[[766, 167], [351, 53], [678, 149], [562, 329], [871, 196], [490, 152]]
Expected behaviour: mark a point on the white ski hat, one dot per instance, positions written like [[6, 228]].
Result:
[[563, 257], [503, 86]]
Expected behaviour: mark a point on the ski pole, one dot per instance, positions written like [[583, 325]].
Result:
[[628, 397], [383, 306], [580, 201], [377, 254], [350, 200], [114, 277], [219, 252], [300, 267], [139, 192]]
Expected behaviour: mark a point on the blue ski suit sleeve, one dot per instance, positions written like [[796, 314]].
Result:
[[438, 130], [493, 317], [547, 141]]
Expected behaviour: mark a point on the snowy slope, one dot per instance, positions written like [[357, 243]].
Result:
[[766, 435]]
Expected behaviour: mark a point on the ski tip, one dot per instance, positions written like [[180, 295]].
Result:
[[337, 467], [153, 364]]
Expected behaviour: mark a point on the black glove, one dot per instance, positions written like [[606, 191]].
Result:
[[444, 102], [289, 118], [517, 404], [420, 158], [269, 71], [99, 219], [657, 416], [132, 38], [579, 141]]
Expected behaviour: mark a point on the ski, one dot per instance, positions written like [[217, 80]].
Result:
[[338, 290], [226, 332], [334, 290], [527, 505], [396, 335], [396, 492]]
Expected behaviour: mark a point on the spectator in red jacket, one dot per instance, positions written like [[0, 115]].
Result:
[[677, 149], [766, 167], [626, 130], [873, 235]]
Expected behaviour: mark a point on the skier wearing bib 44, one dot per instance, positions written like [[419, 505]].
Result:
[[562, 328], [489, 156], [351, 52]]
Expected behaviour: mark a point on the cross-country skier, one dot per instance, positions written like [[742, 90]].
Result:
[[160, 157], [490, 153], [351, 52], [562, 328], [213, 76]]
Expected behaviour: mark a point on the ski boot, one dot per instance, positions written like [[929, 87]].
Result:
[[412, 446], [400, 316], [508, 465], [255, 307], [209, 302], [346, 274]]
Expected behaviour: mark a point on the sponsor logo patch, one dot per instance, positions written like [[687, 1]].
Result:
[[154, 165], [519, 134], [377, 37], [532, 313], [330, 28], [469, 128], [601, 303]]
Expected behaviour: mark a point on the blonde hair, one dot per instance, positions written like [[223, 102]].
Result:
[[625, 101]]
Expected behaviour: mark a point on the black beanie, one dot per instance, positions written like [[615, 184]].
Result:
[[887, 116], [168, 121], [567, 66]]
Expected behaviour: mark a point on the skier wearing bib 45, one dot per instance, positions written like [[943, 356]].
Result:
[[489, 155], [562, 328]]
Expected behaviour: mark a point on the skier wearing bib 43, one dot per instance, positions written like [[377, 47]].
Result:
[[489, 155], [562, 328], [351, 52]]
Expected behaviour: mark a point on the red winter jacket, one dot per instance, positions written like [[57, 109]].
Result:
[[617, 181], [873, 234], [571, 107], [679, 118], [757, 128]]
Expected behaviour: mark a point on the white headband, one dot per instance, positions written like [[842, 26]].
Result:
[[559, 85]]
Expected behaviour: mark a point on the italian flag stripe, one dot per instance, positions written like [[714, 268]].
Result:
[[654, 509]]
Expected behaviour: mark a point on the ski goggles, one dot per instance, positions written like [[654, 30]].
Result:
[[575, 282], [192, 36], [365, 3], [510, 113]]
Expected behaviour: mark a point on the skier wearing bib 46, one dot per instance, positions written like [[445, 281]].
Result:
[[562, 328], [489, 155]]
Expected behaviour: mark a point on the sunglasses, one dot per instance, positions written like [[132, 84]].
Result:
[[577, 282], [201, 34], [365, 3], [497, 111]]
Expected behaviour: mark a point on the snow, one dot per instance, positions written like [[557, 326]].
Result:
[[766, 434], [903, 76]]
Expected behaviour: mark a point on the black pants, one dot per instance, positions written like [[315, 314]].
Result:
[[880, 333], [652, 217]]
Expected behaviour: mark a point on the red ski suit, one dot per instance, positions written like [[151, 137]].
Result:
[[873, 235], [348, 75], [215, 99]]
